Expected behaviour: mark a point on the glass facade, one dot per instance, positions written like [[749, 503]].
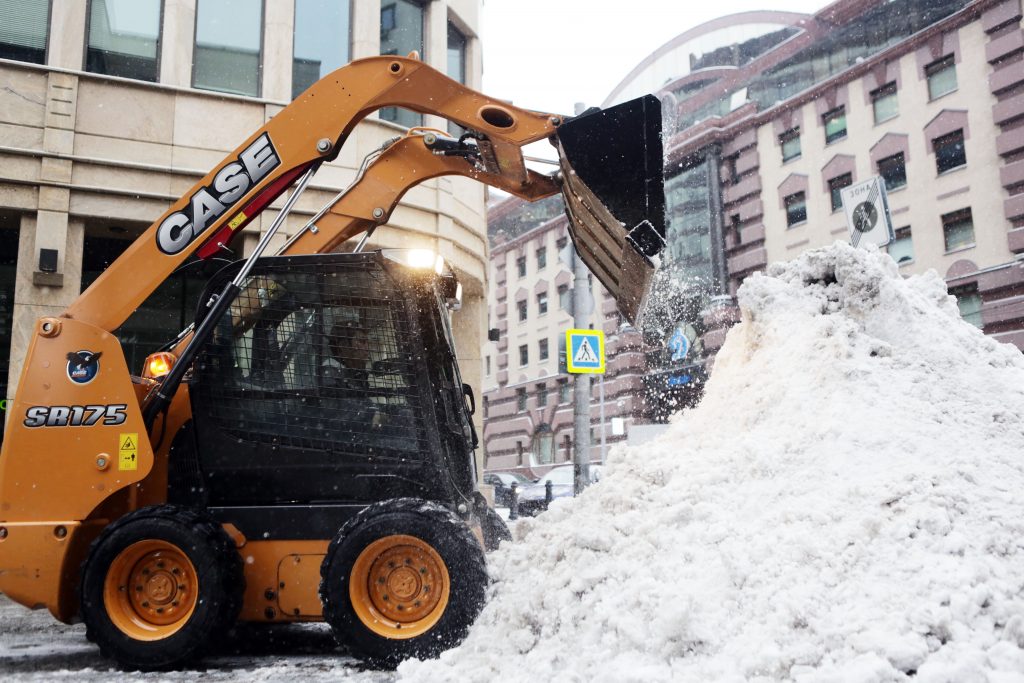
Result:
[[24, 28], [321, 42], [879, 28], [969, 303], [401, 32], [456, 54], [229, 41], [124, 38]]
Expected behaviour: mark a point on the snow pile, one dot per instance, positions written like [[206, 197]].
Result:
[[846, 504]]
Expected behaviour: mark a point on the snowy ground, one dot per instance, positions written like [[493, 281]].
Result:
[[35, 647], [843, 506]]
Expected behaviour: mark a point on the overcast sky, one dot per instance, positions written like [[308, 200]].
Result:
[[549, 54]]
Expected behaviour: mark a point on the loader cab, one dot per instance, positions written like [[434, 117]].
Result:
[[330, 383]]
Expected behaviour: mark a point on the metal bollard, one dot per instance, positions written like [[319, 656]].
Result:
[[513, 502], [548, 495]]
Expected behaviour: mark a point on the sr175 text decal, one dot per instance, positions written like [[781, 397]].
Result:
[[181, 228], [75, 416]]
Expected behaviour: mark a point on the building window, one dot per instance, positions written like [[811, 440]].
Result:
[[228, 46], [519, 444], [949, 151], [796, 209], [401, 32], [321, 42], [958, 229], [488, 359], [884, 102], [521, 266], [564, 297], [835, 187], [124, 38], [542, 395], [24, 27], [835, 124], [901, 249], [790, 143], [732, 166], [941, 77], [456, 54], [542, 303], [542, 349], [563, 391], [520, 400], [969, 303], [487, 406], [561, 243], [542, 258], [894, 171], [735, 226], [521, 307], [524, 355]]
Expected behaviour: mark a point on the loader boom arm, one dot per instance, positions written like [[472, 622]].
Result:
[[310, 130]]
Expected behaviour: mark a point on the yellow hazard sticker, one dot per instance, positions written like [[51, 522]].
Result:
[[128, 448], [237, 220]]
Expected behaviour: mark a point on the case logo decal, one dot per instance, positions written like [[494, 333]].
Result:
[[83, 366], [208, 204]]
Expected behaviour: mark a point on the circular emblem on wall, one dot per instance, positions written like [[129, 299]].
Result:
[[83, 366]]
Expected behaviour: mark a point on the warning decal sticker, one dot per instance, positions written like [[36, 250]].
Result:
[[128, 448]]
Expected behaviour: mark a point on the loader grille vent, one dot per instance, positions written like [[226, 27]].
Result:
[[306, 359]]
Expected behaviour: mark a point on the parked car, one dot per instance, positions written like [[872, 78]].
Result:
[[532, 499], [502, 483]]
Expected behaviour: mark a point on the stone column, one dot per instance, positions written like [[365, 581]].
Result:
[[278, 40], [365, 28], [177, 42], [435, 48], [66, 48]]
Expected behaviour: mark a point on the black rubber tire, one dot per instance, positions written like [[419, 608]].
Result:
[[494, 529], [219, 572], [444, 532]]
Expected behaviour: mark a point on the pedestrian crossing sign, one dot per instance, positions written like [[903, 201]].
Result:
[[584, 351]]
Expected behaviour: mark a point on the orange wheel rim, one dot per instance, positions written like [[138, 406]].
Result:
[[151, 590], [399, 587]]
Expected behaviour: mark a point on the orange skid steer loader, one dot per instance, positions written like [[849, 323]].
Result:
[[304, 451]]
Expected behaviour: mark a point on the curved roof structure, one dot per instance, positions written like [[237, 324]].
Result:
[[696, 49]]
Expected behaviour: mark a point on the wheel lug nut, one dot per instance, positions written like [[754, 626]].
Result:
[[145, 603], [160, 565]]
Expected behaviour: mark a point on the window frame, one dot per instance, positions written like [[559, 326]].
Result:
[[835, 189], [789, 200], [900, 234], [159, 42], [793, 134], [543, 349], [351, 17], [523, 310], [542, 258], [878, 94], [972, 293], [542, 303], [542, 395], [521, 267], [947, 62], [259, 63], [946, 144], [891, 158], [951, 219], [524, 355], [46, 41], [832, 115], [521, 399]]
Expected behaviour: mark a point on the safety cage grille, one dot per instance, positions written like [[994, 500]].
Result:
[[317, 357]]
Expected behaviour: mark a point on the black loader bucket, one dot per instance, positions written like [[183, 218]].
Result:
[[614, 191]]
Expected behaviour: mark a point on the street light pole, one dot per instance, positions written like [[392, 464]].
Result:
[[583, 305]]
